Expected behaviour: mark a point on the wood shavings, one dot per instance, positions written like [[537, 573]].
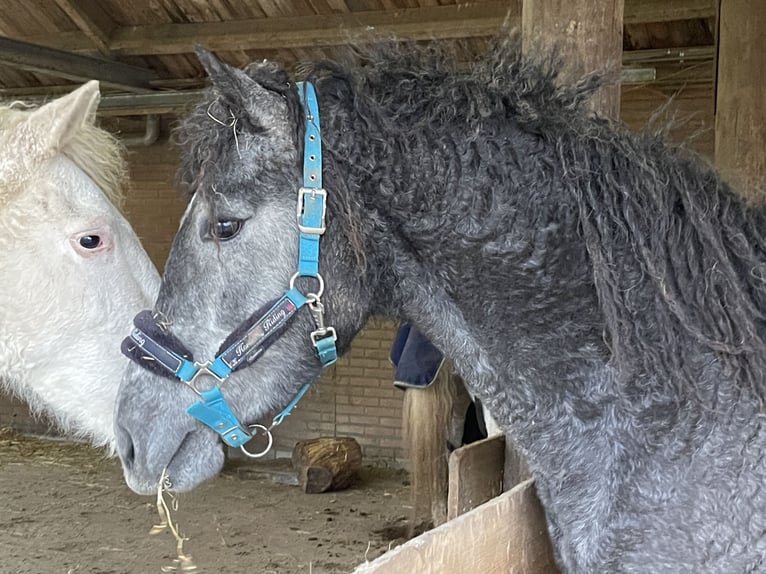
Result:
[[184, 562]]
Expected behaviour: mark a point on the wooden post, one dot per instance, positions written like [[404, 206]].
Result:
[[740, 118], [588, 34]]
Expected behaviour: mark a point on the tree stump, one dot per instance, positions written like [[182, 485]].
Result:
[[330, 463]]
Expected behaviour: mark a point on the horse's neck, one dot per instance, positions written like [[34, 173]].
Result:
[[523, 287], [492, 317]]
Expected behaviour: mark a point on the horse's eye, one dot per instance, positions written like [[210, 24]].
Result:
[[226, 229], [89, 241]]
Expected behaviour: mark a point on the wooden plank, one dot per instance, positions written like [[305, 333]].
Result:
[[650, 11], [433, 22], [76, 67], [515, 468], [661, 55], [92, 20], [740, 124], [507, 535], [465, 20], [475, 475]]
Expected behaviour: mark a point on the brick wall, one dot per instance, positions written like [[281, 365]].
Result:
[[153, 207], [355, 397]]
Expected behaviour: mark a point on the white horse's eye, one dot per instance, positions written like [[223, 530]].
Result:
[[90, 241], [224, 230]]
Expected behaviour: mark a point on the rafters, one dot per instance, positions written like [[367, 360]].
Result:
[[75, 67], [89, 17], [433, 22]]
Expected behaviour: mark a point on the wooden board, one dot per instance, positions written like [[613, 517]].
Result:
[[507, 535], [475, 474], [740, 117]]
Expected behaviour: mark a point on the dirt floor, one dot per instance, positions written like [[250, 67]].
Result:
[[65, 509]]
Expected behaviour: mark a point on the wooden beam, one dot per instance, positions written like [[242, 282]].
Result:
[[92, 20], [740, 116], [149, 103], [432, 22], [507, 535], [649, 11], [588, 35], [679, 55], [74, 67]]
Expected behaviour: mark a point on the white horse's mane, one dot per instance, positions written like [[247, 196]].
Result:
[[94, 150]]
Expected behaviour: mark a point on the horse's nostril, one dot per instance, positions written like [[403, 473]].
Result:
[[126, 450]]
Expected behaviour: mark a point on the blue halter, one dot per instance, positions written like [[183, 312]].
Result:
[[150, 346]]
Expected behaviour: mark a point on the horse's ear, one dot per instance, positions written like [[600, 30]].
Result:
[[55, 122], [43, 133], [237, 88], [227, 79]]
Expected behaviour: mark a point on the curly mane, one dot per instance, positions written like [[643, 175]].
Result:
[[677, 254]]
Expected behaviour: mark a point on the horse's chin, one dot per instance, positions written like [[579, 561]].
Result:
[[199, 458]]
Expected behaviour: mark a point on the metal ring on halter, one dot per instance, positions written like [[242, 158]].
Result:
[[268, 446], [318, 277]]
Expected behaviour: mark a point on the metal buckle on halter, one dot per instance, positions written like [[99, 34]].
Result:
[[313, 191]]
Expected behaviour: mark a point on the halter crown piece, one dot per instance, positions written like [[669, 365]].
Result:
[[155, 349]]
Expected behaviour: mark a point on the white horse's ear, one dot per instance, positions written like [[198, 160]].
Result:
[[42, 134], [55, 122]]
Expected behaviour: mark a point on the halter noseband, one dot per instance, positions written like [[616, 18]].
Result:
[[152, 347]]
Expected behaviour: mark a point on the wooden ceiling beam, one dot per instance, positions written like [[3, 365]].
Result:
[[432, 22], [75, 67], [650, 11], [427, 23], [91, 19]]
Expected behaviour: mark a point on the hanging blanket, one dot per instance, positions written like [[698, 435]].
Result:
[[416, 361]]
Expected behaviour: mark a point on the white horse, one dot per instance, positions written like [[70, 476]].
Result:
[[72, 271]]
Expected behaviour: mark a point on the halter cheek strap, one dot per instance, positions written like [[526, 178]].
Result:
[[158, 351]]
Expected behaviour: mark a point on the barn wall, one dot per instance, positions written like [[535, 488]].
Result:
[[689, 114], [355, 397], [153, 207]]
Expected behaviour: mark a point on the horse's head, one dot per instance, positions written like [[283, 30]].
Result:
[[73, 271], [235, 253]]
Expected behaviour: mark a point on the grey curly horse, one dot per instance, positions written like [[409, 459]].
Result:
[[602, 292]]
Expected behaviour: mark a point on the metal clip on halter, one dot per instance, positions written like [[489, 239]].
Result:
[[323, 338], [317, 312]]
